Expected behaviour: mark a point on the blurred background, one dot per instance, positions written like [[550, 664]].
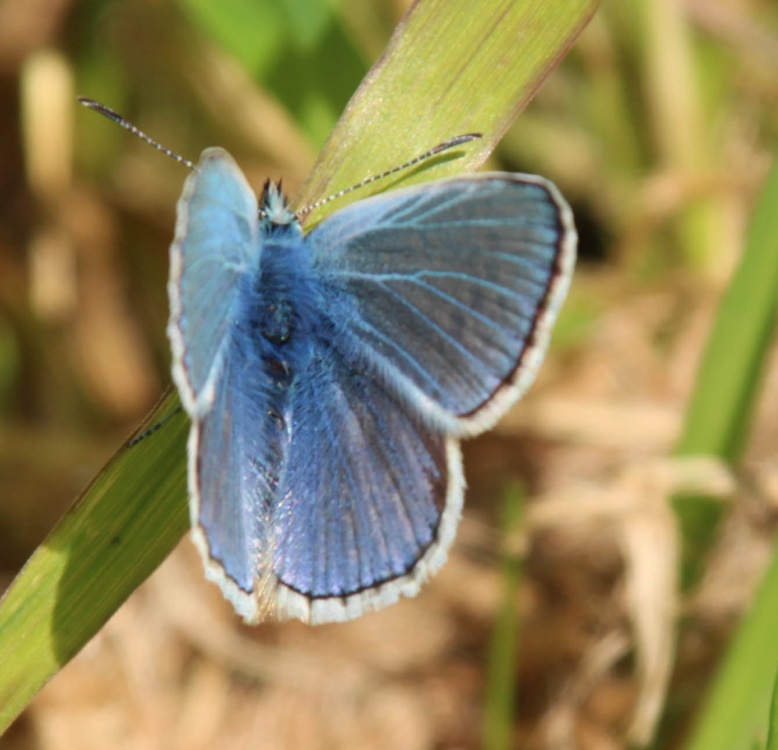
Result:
[[621, 565]]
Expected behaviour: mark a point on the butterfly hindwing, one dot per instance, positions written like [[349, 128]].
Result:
[[369, 499], [236, 452], [328, 501], [452, 288]]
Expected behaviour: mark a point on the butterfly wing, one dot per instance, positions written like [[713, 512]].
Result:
[[215, 243], [451, 289], [333, 501], [233, 447], [236, 451], [369, 498], [437, 304]]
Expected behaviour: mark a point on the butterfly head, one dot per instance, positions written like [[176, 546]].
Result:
[[273, 207]]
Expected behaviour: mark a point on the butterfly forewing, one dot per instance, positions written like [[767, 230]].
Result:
[[451, 288], [215, 243]]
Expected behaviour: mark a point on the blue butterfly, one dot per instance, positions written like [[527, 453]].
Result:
[[330, 376]]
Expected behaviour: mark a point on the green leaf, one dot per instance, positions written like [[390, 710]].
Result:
[[772, 733], [724, 397], [119, 531], [453, 66], [501, 690], [738, 709], [717, 424], [721, 407]]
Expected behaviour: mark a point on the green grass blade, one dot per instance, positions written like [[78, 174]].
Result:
[[717, 423], [119, 531], [718, 416], [722, 404], [501, 690], [772, 732], [453, 66], [738, 707]]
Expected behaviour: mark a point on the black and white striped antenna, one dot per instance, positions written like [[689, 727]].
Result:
[[134, 129], [434, 151]]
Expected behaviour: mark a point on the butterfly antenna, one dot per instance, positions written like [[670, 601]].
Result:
[[445, 146], [127, 125]]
